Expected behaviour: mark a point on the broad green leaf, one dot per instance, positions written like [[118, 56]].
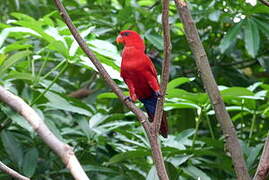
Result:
[[30, 162], [12, 147], [196, 173], [128, 155], [229, 37], [178, 81], [253, 155], [180, 105], [236, 92], [99, 169], [16, 46], [2, 58], [152, 175], [251, 37], [19, 75], [156, 40], [59, 47], [57, 102], [111, 95], [12, 60], [4, 34], [179, 159], [263, 26], [197, 98]]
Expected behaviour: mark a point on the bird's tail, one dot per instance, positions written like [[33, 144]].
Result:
[[150, 106]]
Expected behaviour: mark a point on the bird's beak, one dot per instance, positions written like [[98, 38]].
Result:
[[119, 39]]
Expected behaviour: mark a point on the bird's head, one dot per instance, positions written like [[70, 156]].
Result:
[[130, 38]]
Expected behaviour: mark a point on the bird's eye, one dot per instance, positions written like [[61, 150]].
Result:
[[125, 33]]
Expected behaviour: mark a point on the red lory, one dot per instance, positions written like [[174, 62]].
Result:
[[140, 75]]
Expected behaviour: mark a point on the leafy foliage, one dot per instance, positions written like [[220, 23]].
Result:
[[41, 62]]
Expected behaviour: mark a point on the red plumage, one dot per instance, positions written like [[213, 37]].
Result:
[[139, 73]]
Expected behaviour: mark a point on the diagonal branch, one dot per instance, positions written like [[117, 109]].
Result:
[[61, 149], [150, 129], [266, 3], [11, 172], [166, 64], [212, 89], [262, 171]]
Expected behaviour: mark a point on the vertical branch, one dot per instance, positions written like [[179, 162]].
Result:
[[165, 65], [262, 171], [212, 90], [61, 149], [11, 172]]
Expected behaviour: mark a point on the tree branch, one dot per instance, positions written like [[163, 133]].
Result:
[[11, 172], [165, 65], [266, 3], [149, 127], [212, 90], [262, 171], [61, 149]]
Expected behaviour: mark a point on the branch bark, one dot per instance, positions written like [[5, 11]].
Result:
[[11, 172], [266, 3], [262, 171], [212, 90], [61, 149], [165, 65], [149, 127]]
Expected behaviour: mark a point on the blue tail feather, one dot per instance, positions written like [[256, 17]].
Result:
[[150, 105]]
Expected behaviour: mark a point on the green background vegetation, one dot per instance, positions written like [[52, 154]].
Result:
[[41, 62]]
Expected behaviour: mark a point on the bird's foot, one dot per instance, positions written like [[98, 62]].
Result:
[[128, 98]]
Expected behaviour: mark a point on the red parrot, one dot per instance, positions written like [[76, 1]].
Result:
[[140, 75]]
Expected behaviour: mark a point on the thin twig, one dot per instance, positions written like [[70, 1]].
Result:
[[212, 90], [262, 171], [151, 133], [266, 3], [11, 172], [61, 149]]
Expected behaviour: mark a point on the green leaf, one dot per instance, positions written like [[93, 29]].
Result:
[[178, 81], [253, 155], [263, 26], [128, 155], [234, 92], [12, 147], [30, 162], [12, 60], [156, 40], [152, 175], [229, 37], [251, 37], [59, 47], [58, 102], [18, 30], [196, 173], [99, 169], [19, 75]]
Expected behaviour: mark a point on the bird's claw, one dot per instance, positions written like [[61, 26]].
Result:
[[158, 94], [127, 98]]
